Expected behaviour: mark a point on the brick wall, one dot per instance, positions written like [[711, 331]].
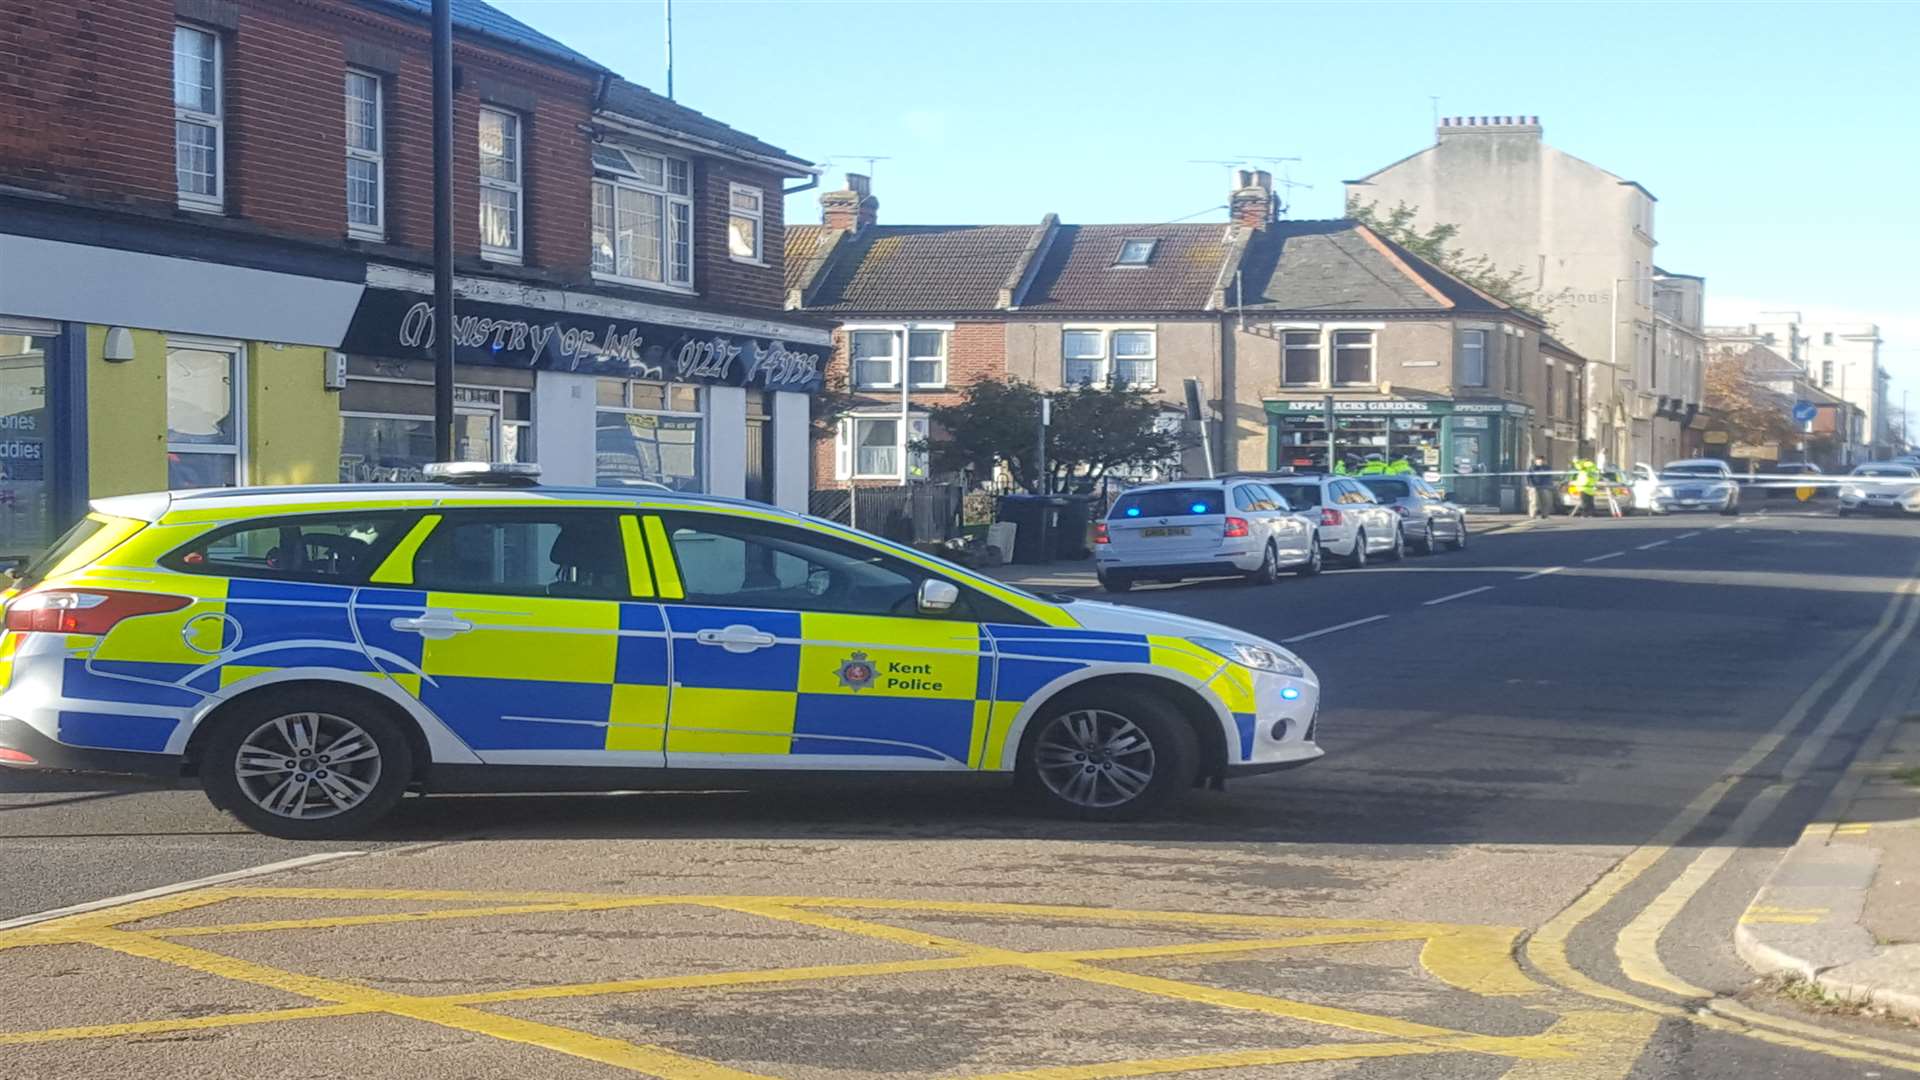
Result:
[[716, 273], [92, 86]]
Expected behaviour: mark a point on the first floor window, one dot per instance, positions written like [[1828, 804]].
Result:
[[642, 216], [1552, 392], [927, 359], [500, 189], [874, 359], [1473, 358], [1133, 357], [869, 447], [1300, 358], [1353, 358], [1084, 357], [366, 156], [1122, 357], [649, 432], [205, 431], [198, 117], [745, 222]]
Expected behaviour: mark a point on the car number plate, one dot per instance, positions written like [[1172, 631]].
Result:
[[1177, 530]]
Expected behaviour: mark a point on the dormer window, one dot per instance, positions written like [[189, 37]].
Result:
[[1135, 252]]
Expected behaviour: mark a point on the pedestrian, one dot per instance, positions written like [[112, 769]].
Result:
[[1540, 488]]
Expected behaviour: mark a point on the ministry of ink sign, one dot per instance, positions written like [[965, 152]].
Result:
[[401, 324]]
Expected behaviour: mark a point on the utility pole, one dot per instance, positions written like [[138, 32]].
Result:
[[443, 448], [1333, 451], [669, 49]]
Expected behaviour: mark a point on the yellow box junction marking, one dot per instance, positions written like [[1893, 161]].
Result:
[[1474, 958]]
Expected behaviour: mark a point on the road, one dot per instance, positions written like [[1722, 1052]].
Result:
[[1559, 766]]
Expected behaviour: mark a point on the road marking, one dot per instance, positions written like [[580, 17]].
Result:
[[1687, 535], [1604, 558], [1231, 1059], [1766, 913], [1851, 830], [177, 887], [1547, 948], [1655, 544], [1609, 1045], [1332, 629], [1541, 573], [1458, 595]]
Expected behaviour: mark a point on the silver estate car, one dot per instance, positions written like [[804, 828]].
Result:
[[1201, 528], [1353, 526], [1428, 518]]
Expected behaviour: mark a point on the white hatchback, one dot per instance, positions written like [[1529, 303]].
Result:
[[1202, 528]]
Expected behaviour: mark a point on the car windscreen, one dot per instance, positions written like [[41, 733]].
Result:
[[1885, 470], [1387, 490], [1299, 496], [1170, 502], [1692, 472]]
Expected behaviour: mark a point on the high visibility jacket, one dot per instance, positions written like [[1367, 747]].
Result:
[[1399, 467]]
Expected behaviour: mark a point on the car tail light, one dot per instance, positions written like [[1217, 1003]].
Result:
[[1398, 509], [1236, 527], [1100, 533], [1329, 516], [84, 611]]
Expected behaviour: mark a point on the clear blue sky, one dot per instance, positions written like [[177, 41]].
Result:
[[1783, 140]]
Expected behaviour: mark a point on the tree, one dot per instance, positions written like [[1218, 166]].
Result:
[[1094, 430], [1753, 411], [1436, 246]]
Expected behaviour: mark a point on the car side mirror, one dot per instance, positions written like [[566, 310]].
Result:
[[937, 596], [1446, 496]]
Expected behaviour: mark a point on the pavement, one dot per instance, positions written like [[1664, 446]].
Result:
[[1843, 908], [1509, 864]]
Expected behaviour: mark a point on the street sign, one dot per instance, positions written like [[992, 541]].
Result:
[[1804, 412], [1755, 451]]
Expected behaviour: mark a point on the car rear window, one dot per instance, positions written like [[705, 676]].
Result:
[[1170, 502], [1299, 496], [1693, 472], [1884, 470], [1387, 489]]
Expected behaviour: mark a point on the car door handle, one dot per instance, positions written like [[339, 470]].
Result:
[[736, 639], [432, 625]]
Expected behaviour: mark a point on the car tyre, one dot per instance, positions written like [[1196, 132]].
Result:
[[1268, 571], [1108, 754], [1843, 512], [1731, 511], [1398, 551], [1358, 560], [290, 733], [1427, 545], [1316, 561], [1459, 537], [1115, 583]]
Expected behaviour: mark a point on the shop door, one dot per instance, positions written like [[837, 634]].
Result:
[[1471, 485], [759, 467]]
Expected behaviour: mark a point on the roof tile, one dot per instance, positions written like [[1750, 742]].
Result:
[[1079, 272], [478, 17], [917, 268]]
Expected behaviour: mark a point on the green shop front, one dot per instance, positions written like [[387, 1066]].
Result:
[[1474, 449]]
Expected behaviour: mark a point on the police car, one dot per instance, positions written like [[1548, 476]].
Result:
[[314, 653]]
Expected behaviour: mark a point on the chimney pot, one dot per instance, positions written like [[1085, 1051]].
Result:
[[852, 208], [1251, 203]]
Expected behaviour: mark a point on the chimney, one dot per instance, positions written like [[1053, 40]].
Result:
[[852, 208], [1252, 201], [1487, 125]]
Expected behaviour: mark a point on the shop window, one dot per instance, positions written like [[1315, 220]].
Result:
[[500, 189], [1353, 358], [647, 432], [642, 217], [199, 123], [1473, 358], [366, 157], [205, 425], [386, 427], [26, 485], [1300, 358]]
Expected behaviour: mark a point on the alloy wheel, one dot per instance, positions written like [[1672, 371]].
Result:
[[307, 765], [1094, 758]]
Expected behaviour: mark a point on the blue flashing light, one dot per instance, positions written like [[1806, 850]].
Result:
[[1198, 508], [1290, 692], [1133, 511]]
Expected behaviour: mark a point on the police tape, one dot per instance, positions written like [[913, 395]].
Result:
[[1782, 480]]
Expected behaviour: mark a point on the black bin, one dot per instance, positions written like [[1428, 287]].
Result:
[[1032, 518], [1070, 514]]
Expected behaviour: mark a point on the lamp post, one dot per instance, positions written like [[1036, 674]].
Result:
[[443, 442]]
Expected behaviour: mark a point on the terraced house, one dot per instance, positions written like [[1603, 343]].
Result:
[[215, 261], [1272, 317]]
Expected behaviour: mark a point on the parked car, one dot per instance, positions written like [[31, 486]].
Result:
[[1880, 487], [1201, 528], [1786, 477], [1701, 484], [1352, 525], [1428, 518]]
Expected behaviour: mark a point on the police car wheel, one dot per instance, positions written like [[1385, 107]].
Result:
[[305, 766], [1109, 756]]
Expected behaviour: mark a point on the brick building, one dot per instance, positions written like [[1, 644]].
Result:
[[1270, 316], [215, 233]]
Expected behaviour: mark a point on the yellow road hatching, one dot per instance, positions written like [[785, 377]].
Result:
[[1580, 1045]]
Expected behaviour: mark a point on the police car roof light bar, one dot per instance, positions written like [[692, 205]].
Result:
[[484, 473]]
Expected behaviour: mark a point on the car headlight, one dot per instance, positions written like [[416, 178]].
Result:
[[1853, 492], [1665, 490], [1257, 657]]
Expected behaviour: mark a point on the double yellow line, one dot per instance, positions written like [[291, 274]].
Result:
[[1637, 945]]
